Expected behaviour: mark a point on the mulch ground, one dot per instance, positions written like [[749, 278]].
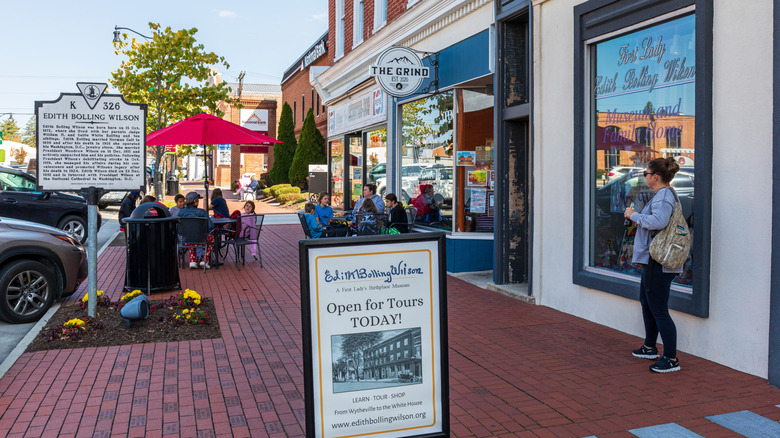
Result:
[[156, 328]]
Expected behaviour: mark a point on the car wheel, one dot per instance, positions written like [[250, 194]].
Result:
[[27, 291], [75, 226]]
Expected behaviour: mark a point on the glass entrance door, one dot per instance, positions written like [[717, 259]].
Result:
[[337, 174], [356, 167]]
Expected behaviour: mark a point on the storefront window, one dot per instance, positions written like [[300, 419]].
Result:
[[427, 154], [474, 162], [337, 173], [644, 100], [376, 155]]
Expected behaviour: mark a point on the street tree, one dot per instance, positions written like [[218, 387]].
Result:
[[28, 136], [310, 150], [170, 73], [10, 129], [284, 152], [353, 346]]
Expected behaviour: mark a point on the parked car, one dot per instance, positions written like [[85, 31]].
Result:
[[618, 171], [20, 199], [38, 264], [410, 178], [632, 188], [111, 198], [376, 172]]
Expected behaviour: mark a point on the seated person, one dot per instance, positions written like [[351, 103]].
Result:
[[191, 210], [311, 221], [369, 192], [398, 219], [427, 208], [323, 211], [218, 203], [367, 220], [179, 200], [249, 187], [150, 198]]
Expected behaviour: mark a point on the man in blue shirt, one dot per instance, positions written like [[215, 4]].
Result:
[[369, 192]]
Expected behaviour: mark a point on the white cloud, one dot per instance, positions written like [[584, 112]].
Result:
[[227, 14], [319, 17]]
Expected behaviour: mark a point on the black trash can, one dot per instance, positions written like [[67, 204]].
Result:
[[152, 263], [172, 186]]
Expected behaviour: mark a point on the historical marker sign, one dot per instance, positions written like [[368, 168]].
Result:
[[375, 338], [91, 139]]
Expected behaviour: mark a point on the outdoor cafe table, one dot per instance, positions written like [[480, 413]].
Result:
[[218, 232]]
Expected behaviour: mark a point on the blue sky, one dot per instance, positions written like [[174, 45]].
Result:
[[48, 46]]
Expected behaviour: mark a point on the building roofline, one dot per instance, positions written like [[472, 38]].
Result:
[[296, 66]]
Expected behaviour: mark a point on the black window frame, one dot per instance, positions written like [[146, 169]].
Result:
[[596, 18]]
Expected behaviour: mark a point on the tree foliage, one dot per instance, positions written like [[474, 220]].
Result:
[[353, 346], [10, 129], [169, 73], [310, 150], [28, 136], [427, 122], [284, 152]]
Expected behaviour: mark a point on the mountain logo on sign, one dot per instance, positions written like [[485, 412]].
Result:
[[401, 60]]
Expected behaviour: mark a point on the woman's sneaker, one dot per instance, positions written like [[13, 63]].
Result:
[[646, 353], [666, 365], [193, 265]]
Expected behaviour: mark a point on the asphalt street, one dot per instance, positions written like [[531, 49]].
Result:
[[12, 334]]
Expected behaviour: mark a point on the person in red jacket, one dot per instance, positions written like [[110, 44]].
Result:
[[427, 208]]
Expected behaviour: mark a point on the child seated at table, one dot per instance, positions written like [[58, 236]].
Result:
[[311, 222], [247, 226]]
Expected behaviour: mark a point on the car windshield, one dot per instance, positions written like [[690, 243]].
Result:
[[12, 181]]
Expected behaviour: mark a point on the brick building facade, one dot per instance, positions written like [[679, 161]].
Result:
[[299, 93], [250, 97]]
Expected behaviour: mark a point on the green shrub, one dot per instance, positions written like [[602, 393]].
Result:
[[267, 192], [286, 190], [274, 189], [288, 198]]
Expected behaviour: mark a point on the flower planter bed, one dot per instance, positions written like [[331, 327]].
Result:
[[161, 326]]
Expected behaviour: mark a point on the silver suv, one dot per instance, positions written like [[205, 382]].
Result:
[[38, 264]]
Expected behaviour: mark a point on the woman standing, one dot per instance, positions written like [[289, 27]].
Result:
[[656, 280]]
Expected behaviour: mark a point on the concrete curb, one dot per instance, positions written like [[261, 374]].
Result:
[[27, 339]]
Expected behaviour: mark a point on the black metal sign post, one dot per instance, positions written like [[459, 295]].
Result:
[[374, 314], [90, 143]]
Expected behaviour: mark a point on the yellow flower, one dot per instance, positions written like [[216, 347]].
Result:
[[185, 311], [74, 323], [86, 296], [197, 302]]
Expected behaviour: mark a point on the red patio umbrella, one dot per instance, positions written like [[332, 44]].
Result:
[[206, 129]]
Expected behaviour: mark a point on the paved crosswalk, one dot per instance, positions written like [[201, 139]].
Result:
[[745, 423]]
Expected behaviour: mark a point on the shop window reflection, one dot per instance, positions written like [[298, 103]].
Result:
[[427, 155], [644, 110]]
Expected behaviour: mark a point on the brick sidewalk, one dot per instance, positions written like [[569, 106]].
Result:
[[524, 371]]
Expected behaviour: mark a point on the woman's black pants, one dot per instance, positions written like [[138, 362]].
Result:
[[654, 296]]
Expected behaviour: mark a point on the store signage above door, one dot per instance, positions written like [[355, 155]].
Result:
[[399, 71]]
